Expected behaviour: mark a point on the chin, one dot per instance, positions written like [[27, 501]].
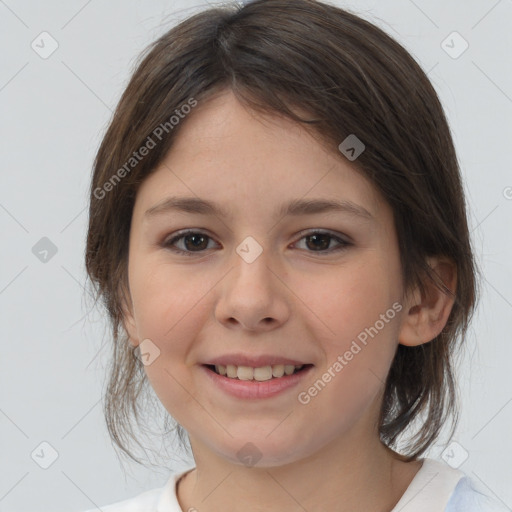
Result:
[[259, 451]]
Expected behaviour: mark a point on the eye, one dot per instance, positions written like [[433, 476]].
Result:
[[194, 241], [321, 240], [197, 241]]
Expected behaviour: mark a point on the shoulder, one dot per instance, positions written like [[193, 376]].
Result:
[[161, 499], [468, 496], [146, 501], [437, 487]]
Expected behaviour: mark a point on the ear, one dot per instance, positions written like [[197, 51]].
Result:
[[128, 319], [427, 313], [130, 327]]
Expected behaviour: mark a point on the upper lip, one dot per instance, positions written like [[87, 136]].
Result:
[[253, 361]]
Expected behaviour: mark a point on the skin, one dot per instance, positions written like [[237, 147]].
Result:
[[292, 301]]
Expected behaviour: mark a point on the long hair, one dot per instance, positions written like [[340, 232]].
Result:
[[350, 77]]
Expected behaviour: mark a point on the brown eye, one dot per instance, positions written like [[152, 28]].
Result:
[[320, 242], [193, 241], [197, 242]]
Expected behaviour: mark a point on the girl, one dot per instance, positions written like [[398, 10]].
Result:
[[278, 231]]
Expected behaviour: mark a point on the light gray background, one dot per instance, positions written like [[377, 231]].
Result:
[[53, 114]]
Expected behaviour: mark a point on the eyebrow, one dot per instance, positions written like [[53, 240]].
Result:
[[295, 207]]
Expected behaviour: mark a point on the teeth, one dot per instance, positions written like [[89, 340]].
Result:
[[278, 370], [289, 369], [259, 374], [245, 373], [264, 373], [231, 371]]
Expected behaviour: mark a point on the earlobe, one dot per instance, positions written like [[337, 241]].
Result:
[[130, 327], [131, 330], [128, 319], [426, 313]]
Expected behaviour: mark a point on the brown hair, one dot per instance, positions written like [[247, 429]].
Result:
[[278, 56]]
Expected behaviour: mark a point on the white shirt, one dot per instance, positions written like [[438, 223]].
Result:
[[436, 487]]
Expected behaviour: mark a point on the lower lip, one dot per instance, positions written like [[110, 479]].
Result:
[[250, 389]]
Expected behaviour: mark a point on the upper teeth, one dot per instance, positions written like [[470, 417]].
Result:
[[262, 373]]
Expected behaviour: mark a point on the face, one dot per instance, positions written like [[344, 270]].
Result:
[[258, 286]]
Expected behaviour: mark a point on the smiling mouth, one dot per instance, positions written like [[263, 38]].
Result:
[[260, 374]]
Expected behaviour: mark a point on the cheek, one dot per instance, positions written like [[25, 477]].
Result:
[[357, 313], [170, 309], [349, 299], [162, 297]]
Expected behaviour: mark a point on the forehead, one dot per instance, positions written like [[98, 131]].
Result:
[[239, 159]]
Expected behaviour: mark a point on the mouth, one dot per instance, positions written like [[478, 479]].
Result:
[[259, 374], [255, 383]]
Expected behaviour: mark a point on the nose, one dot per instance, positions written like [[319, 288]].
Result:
[[253, 296]]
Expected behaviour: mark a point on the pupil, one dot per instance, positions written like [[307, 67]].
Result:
[[316, 238], [194, 236]]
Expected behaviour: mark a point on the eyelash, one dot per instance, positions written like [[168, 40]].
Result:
[[168, 243]]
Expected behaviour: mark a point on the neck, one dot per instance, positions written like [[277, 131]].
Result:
[[346, 475]]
